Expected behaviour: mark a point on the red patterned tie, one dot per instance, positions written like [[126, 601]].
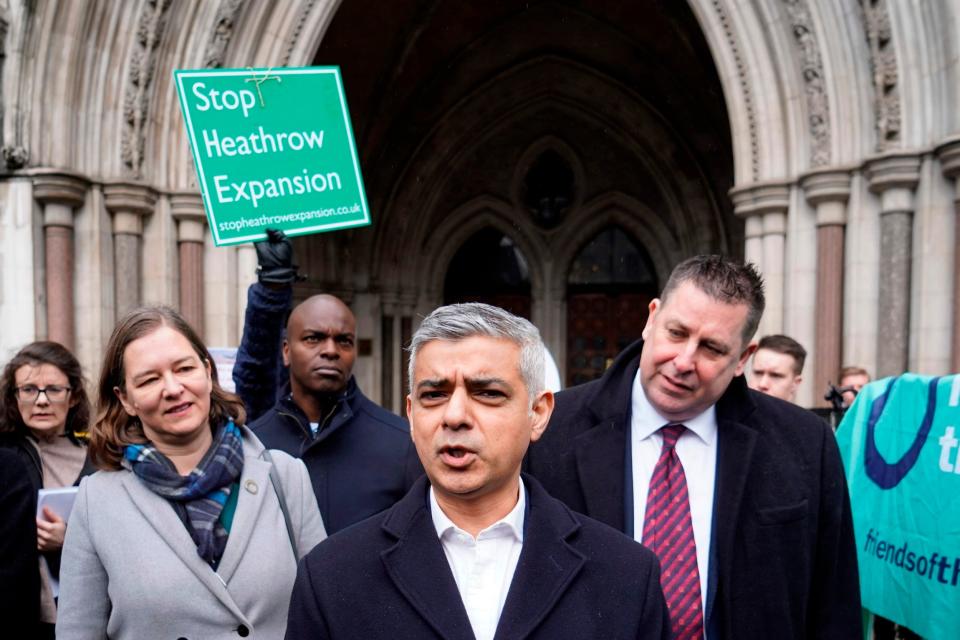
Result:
[[668, 532]]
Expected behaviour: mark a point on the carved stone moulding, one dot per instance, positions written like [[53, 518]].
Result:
[[948, 154], [761, 198], [187, 209], [58, 186], [129, 202], [893, 170]]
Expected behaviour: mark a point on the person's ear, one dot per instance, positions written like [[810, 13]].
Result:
[[286, 352], [541, 411], [128, 406], [744, 357], [652, 309]]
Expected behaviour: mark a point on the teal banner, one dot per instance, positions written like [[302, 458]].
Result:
[[900, 443], [272, 148]]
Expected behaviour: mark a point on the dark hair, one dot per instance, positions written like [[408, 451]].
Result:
[[787, 346], [35, 354], [114, 428], [724, 280]]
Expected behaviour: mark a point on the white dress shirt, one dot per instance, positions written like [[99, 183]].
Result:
[[697, 450], [482, 567]]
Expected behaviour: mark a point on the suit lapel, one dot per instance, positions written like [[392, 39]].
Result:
[[172, 531], [734, 455], [601, 450], [547, 565], [419, 568], [255, 489], [600, 466]]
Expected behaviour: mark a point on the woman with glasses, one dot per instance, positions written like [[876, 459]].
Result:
[[43, 418], [191, 529]]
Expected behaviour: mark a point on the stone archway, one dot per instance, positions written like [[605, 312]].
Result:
[[837, 117]]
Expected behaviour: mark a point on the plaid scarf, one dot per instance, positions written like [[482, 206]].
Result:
[[199, 497]]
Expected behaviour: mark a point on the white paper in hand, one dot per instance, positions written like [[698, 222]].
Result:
[[60, 501]]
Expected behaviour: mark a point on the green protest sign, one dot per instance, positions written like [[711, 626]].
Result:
[[272, 148], [902, 457]]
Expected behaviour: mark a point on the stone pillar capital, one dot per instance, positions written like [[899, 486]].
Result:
[[187, 205], [51, 186], [827, 185], [389, 302], [893, 176], [129, 197], [187, 209], [760, 198], [129, 202], [948, 153], [828, 191], [407, 301]]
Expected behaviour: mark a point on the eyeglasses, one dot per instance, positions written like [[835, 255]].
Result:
[[54, 393]]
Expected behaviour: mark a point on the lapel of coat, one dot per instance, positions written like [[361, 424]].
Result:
[[600, 466], [255, 489], [172, 531], [736, 442], [419, 568], [601, 450], [546, 568]]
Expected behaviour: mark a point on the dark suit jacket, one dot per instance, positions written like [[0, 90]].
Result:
[[19, 571], [783, 562], [388, 577], [361, 462]]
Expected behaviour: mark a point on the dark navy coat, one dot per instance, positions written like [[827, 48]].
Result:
[[783, 562], [388, 578], [360, 463]]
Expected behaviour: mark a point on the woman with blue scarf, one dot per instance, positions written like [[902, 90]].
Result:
[[192, 529]]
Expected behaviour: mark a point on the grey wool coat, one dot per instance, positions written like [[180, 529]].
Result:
[[131, 571]]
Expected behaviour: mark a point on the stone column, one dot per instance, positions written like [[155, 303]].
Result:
[[246, 275], [187, 210], [764, 207], [60, 194], [894, 177], [827, 191], [948, 154], [129, 203]]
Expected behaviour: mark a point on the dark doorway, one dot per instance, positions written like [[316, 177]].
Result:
[[489, 268], [610, 284]]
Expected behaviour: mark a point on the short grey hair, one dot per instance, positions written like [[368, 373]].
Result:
[[461, 321]]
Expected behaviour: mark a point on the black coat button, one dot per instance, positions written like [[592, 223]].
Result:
[[242, 631]]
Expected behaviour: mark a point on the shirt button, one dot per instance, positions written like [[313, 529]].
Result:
[[242, 631]]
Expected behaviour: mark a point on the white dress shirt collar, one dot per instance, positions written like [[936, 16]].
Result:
[[646, 420], [512, 522], [483, 567]]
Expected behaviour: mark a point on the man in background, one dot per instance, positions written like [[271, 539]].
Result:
[[778, 367], [359, 455], [852, 380], [742, 497]]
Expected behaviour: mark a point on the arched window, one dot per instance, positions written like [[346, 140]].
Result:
[[609, 286], [490, 268]]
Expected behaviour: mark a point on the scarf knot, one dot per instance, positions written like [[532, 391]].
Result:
[[198, 497]]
